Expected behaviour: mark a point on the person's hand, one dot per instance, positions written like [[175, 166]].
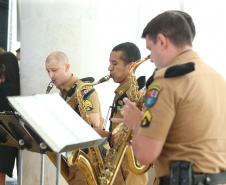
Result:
[[132, 116]]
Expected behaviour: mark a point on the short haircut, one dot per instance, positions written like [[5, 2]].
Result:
[[59, 56], [172, 25], [130, 52], [190, 22]]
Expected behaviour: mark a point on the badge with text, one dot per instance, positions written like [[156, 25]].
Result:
[[146, 119], [89, 105], [152, 94]]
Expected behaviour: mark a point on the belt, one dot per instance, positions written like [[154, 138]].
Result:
[[200, 179]]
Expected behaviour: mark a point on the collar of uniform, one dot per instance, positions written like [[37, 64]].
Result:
[[121, 89], [70, 83], [180, 59]]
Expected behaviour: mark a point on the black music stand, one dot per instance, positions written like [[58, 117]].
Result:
[[54, 125], [13, 133]]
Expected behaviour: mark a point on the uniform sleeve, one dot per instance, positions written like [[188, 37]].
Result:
[[159, 111]]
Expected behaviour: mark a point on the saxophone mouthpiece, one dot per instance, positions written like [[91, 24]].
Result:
[[50, 86], [104, 79]]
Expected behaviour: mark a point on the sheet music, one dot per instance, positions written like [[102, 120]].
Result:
[[58, 124]]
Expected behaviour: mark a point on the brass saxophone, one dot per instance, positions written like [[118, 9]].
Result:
[[92, 167], [116, 153]]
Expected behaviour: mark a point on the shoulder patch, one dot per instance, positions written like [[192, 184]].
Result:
[[84, 90], [179, 70], [146, 119], [152, 94], [89, 105]]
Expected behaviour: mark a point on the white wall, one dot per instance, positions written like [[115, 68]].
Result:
[[87, 30]]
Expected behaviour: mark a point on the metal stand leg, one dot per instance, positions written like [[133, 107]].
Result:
[[43, 146], [21, 146], [58, 169]]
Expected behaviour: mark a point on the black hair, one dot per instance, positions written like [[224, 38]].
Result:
[[11, 71], [130, 52]]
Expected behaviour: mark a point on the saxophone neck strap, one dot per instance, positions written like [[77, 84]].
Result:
[[71, 92]]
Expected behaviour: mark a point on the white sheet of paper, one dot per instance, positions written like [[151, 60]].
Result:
[[52, 118]]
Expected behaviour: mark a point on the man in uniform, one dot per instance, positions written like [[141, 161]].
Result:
[[182, 125], [58, 69], [121, 59]]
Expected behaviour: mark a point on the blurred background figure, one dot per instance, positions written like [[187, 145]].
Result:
[[2, 50], [9, 86], [18, 54]]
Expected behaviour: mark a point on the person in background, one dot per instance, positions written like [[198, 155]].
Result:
[[181, 126], [9, 86], [2, 50], [18, 54]]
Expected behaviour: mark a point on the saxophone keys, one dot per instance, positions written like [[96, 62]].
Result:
[[104, 181], [108, 173], [110, 165]]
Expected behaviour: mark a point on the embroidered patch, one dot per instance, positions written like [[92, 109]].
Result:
[[146, 119], [152, 94], [89, 105], [84, 90]]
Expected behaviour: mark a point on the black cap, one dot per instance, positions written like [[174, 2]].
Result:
[[18, 50]]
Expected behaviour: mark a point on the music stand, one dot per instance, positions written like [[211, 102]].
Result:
[[55, 123], [17, 135]]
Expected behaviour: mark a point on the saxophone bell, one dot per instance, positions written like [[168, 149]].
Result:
[[50, 86]]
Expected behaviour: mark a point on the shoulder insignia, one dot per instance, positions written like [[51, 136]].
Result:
[[146, 119], [84, 90], [89, 105], [121, 92], [152, 94], [179, 70]]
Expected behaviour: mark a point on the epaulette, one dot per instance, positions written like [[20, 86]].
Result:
[[119, 100], [88, 79], [179, 70], [141, 82], [72, 90]]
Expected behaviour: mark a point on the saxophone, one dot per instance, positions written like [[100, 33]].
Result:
[[120, 148], [92, 166]]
